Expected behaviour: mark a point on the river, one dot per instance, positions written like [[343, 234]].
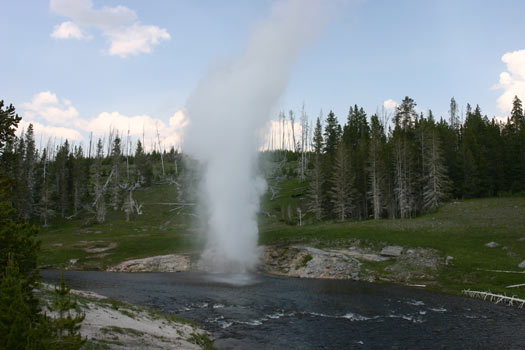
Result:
[[269, 312]]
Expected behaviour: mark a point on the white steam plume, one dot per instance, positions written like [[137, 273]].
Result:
[[225, 112]]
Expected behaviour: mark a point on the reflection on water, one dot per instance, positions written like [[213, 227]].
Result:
[[266, 312], [232, 279]]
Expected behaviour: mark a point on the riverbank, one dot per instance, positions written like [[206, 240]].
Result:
[[263, 311], [459, 247], [113, 324]]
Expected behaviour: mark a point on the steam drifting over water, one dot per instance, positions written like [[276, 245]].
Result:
[[227, 109]]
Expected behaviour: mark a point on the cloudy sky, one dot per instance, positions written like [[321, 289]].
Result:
[[77, 66]]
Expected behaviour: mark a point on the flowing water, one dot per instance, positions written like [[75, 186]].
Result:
[[268, 312]]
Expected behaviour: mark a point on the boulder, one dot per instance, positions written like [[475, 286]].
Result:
[[309, 262], [448, 260], [161, 263], [392, 250], [522, 265], [492, 245]]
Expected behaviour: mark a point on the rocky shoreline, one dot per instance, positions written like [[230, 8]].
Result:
[[114, 324], [160, 263], [390, 263]]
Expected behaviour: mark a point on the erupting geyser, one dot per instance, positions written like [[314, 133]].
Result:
[[225, 112]]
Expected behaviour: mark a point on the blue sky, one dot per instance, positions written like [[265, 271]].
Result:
[[368, 53]]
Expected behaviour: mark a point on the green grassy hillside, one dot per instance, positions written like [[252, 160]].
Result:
[[459, 229], [159, 230]]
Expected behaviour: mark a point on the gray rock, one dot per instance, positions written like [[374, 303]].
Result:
[[492, 245], [448, 260], [522, 265], [392, 250], [521, 239], [320, 264], [161, 263]]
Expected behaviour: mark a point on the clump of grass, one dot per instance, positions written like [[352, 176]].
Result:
[[304, 262], [121, 330], [110, 342], [202, 340], [93, 345]]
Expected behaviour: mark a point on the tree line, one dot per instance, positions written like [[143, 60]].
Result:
[[62, 180], [24, 319], [360, 170], [365, 168]]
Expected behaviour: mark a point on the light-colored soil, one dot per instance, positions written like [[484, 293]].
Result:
[[124, 326]]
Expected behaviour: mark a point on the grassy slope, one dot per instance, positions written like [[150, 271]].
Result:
[[158, 231], [459, 229]]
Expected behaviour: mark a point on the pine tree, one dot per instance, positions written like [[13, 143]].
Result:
[[99, 191], [450, 144], [515, 147], [421, 131], [303, 163], [405, 113], [376, 167], [45, 204], [15, 313], [22, 325], [356, 136], [28, 174], [404, 157], [19, 179], [8, 124], [18, 240], [79, 179], [116, 155], [315, 188], [143, 165], [332, 135], [342, 191], [454, 116], [475, 165], [516, 115], [331, 138], [66, 325], [62, 177], [436, 181]]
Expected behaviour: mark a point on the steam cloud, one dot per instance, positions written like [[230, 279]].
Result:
[[227, 109]]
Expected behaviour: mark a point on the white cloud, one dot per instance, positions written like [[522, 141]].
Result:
[[135, 39], [119, 24], [512, 81], [107, 121], [390, 104], [45, 105], [174, 133], [139, 125], [68, 30], [45, 132], [179, 120], [271, 137], [55, 117]]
